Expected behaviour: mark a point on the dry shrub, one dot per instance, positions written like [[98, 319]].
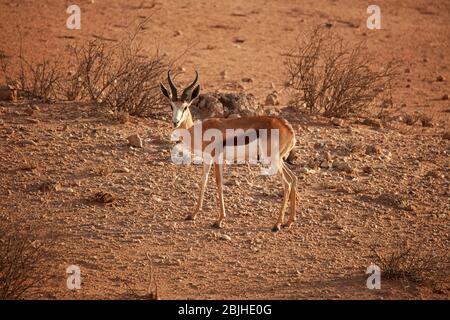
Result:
[[119, 76], [34, 80], [415, 263], [336, 79], [22, 260]]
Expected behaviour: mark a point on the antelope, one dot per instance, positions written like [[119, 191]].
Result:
[[182, 118]]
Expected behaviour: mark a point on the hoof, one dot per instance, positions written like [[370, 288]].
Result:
[[287, 225], [276, 228], [217, 225], [190, 218]]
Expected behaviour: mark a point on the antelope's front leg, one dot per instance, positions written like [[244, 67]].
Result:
[[198, 207], [218, 173]]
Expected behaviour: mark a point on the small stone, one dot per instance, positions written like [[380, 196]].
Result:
[[8, 93], [440, 78], [341, 165], [337, 122], [272, 112], [238, 40], [156, 198], [224, 237], [246, 79], [28, 111], [325, 164], [27, 142], [367, 170], [272, 100], [409, 207], [223, 74], [446, 135], [135, 141], [375, 123], [373, 149], [303, 170], [445, 97], [328, 216]]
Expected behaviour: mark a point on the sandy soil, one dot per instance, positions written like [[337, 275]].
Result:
[[325, 255]]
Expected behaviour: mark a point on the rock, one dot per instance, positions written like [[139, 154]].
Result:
[[8, 93], [304, 170], [375, 123], [122, 170], [328, 216], [446, 135], [325, 164], [293, 157], [29, 111], [223, 74], [272, 112], [177, 33], [341, 165], [272, 99], [238, 40], [208, 106], [440, 78], [409, 207], [223, 105], [445, 97], [327, 156], [337, 122], [156, 198], [135, 141], [367, 170], [372, 149], [27, 142], [246, 79], [224, 237]]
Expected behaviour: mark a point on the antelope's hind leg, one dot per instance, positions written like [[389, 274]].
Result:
[[292, 196], [198, 207], [286, 181], [218, 173]]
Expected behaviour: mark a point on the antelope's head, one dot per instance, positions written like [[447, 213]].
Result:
[[180, 105]]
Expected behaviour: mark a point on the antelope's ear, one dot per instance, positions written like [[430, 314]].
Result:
[[164, 91], [195, 93]]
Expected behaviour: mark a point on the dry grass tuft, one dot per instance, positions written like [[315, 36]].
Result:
[[414, 263], [22, 260]]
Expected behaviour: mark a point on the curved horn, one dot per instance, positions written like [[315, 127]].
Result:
[[189, 87], [172, 86]]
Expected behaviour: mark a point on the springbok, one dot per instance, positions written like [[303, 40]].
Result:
[[182, 118]]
